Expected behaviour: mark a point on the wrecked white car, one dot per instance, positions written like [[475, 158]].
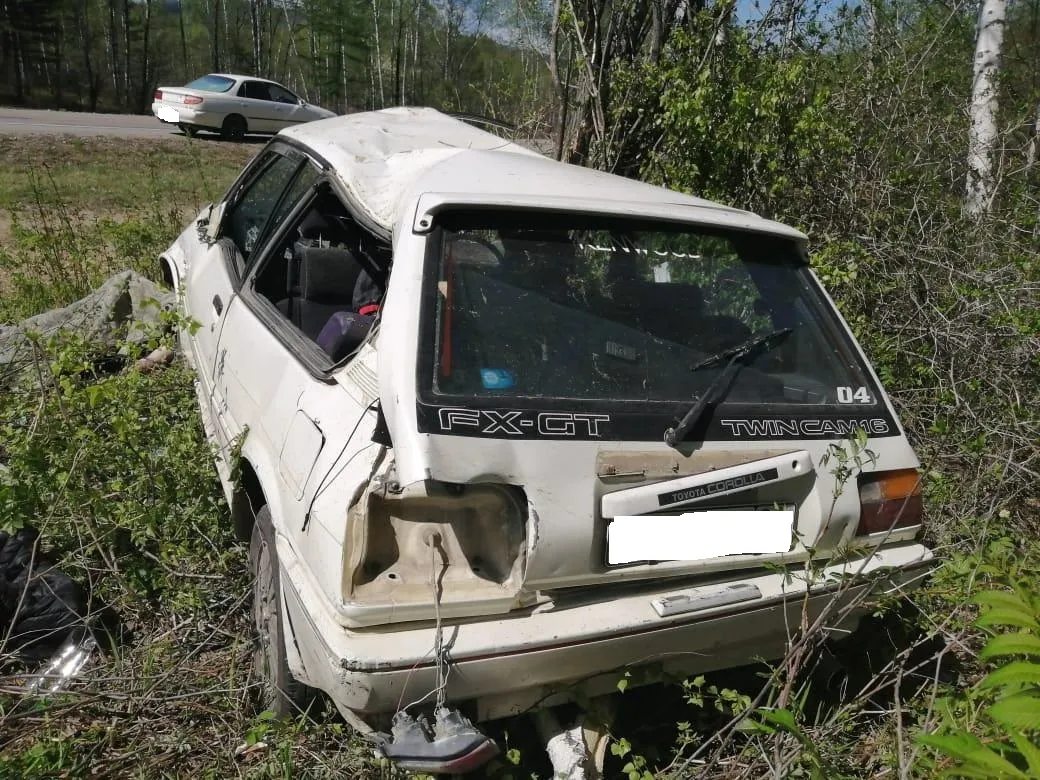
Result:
[[499, 428]]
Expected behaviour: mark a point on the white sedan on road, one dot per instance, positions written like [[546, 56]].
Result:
[[233, 106]]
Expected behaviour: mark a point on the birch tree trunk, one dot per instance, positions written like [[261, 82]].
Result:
[[398, 48], [872, 45], [146, 76], [1034, 141], [254, 25], [113, 58], [378, 61], [792, 10], [19, 70], [723, 22], [124, 97], [559, 90], [982, 137]]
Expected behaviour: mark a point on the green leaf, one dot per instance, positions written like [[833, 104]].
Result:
[[971, 773], [621, 748], [1004, 599], [1030, 752], [1006, 608], [1019, 643], [1006, 617], [1013, 673], [959, 745], [1020, 711], [977, 760], [782, 718]]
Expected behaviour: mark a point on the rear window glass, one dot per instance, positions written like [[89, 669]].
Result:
[[212, 83], [576, 307]]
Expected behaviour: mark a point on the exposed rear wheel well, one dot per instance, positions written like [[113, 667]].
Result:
[[248, 500]]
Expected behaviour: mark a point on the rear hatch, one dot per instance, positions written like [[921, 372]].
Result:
[[603, 401], [581, 341]]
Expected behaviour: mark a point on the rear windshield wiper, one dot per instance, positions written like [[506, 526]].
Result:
[[735, 356]]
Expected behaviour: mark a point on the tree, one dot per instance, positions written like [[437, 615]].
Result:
[[982, 138]]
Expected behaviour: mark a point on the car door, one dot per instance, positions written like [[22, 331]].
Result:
[[286, 107], [211, 275], [275, 379], [257, 107], [245, 219]]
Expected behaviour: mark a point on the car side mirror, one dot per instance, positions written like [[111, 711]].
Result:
[[216, 215]]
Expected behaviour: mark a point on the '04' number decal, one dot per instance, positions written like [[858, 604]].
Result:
[[846, 395]]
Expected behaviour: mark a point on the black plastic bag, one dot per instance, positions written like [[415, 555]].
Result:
[[40, 606]]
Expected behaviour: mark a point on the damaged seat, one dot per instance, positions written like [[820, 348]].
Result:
[[345, 331], [326, 276]]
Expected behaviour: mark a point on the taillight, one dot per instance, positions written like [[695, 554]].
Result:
[[192, 100], [158, 94], [889, 500], [470, 538]]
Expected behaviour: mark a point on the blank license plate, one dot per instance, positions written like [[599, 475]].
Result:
[[695, 536], [167, 114]]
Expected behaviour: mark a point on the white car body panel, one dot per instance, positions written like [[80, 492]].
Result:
[[511, 664], [384, 158], [311, 441]]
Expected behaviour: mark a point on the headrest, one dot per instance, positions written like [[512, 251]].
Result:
[[366, 291], [314, 225], [326, 273], [673, 296], [659, 299]]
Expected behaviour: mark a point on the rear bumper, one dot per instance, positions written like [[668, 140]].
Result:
[[508, 663], [173, 114]]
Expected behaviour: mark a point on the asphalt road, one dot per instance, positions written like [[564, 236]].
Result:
[[23, 121]]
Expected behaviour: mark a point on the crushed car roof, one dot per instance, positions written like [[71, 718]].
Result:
[[387, 158]]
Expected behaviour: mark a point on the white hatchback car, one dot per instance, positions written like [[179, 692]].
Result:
[[233, 106], [499, 428]]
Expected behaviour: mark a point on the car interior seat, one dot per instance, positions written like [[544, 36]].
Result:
[[537, 260], [324, 284], [723, 331], [670, 310]]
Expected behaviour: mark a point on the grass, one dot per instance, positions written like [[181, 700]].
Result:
[[72, 210], [115, 472], [114, 176], [113, 467]]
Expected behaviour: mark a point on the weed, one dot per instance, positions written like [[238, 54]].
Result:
[[993, 728]]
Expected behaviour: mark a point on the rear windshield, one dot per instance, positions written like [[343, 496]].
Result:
[[615, 311], [212, 83]]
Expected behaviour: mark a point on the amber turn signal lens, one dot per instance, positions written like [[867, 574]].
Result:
[[889, 500]]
